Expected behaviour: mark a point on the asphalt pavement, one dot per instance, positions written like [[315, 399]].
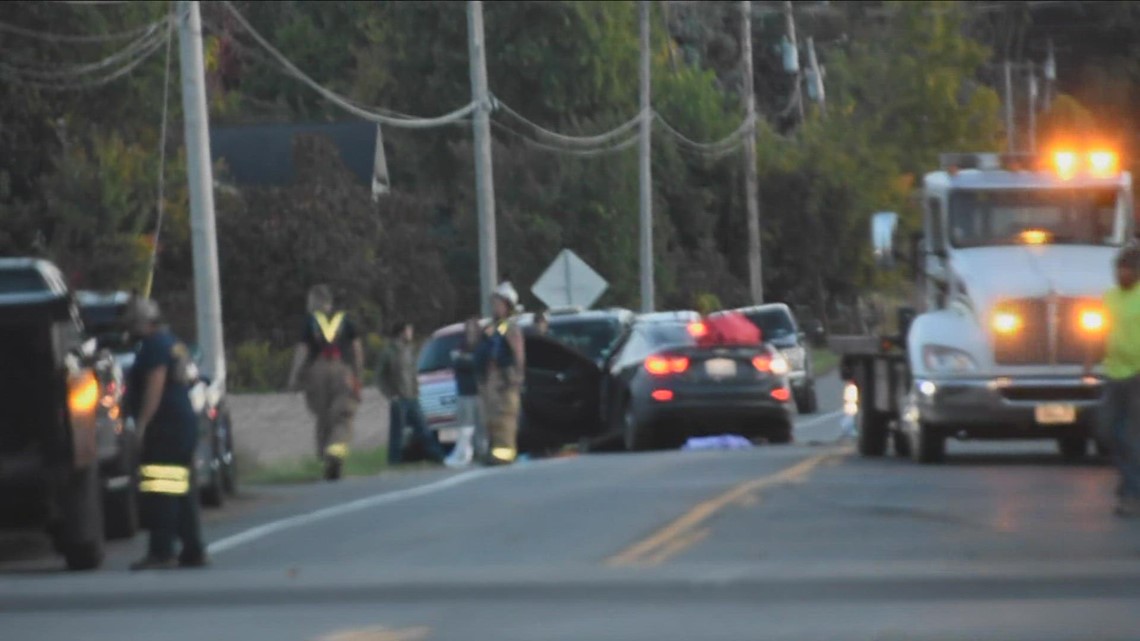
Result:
[[804, 542]]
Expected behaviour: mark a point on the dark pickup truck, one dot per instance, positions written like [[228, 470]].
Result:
[[53, 410]]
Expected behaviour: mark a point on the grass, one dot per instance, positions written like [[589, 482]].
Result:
[[823, 361], [367, 462]]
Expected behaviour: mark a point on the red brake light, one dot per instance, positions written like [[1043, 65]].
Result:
[[781, 394], [212, 413], [665, 365], [698, 329], [662, 395], [762, 363]]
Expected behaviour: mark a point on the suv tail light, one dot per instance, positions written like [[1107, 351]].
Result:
[[665, 365], [771, 364]]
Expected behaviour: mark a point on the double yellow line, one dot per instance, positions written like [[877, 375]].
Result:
[[689, 529]]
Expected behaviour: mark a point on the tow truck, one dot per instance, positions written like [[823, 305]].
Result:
[[1015, 254]]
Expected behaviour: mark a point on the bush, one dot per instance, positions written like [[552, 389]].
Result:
[[257, 366]]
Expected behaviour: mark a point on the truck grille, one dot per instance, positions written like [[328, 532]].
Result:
[[1050, 332]]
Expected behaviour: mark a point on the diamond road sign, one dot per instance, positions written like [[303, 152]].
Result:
[[569, 282]]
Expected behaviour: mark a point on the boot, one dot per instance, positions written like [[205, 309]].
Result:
[[332, 468]]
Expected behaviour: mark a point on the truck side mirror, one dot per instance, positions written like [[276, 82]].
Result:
[[884, 225]]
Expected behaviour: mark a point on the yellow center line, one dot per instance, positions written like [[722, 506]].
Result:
[[684, 532], [379, 633]]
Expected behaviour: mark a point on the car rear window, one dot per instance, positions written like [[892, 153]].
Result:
[[436, 353], [21, 281], [773, 323], [591, 337], [668, 335]]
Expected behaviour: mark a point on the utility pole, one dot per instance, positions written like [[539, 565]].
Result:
[[203, 234], [751, 183], [645, 173], [1032, 103], [484, 180], [1007, 72], [790, 20]]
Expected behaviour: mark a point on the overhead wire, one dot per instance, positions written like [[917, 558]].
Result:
[[581, 153], [141, 47], [65, 38], [161, 204], [74, 78], [559, 138], [392, 119], [732, 140]]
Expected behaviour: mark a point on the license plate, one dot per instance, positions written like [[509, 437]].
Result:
[[720, 367], [1056, 414], [448, 435]]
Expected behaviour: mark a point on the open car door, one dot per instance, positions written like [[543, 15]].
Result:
[[560, 401]]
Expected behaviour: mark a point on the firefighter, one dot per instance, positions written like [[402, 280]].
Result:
[[501, 361], [329, 360], [168, 428]]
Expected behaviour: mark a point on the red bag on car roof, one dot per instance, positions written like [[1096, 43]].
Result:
[[729, 328]]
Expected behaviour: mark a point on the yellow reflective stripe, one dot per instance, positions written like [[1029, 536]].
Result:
[[166, 472], [329, 328], [337, 450], [503, 453], [503, 327], [163, 486]]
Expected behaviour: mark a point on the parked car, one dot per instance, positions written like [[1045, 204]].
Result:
[[661, 388], [214, 462], [778, 327], [118, 442], [591, 332], [438, 391], [54, 418]]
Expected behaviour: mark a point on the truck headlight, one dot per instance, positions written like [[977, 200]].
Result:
[[1006, 322], [947, 360]]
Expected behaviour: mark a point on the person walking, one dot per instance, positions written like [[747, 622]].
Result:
[[159, 401], [398, 381], [501, 362], [471, 442], [1120, 351], [329, 360]]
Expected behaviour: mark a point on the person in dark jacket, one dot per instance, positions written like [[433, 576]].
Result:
[[168, 428], [399, 382]]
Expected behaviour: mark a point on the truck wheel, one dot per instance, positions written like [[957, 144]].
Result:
[[872, 429], [80, 535], [1073, 448], [806, 400], [901, 444], [229, 459], [929, 445], [213, 494]]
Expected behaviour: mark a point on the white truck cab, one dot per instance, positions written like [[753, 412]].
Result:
[[1016, 253]]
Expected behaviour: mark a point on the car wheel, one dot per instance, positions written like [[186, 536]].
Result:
[[806, 400], [80, 536], [929, 445], [636, 438], [229, 460], [213, 493], [781, 436], [872, 430], [121, 510], [1073, 448]]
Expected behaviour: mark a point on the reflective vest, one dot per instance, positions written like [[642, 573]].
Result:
[[328, 330]]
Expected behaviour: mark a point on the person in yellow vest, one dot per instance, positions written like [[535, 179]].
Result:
[[329, 360], [1120, 411], [500, 362]]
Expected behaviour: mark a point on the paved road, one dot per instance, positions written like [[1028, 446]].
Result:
[[803, 542]]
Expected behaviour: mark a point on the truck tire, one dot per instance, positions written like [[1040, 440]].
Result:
[[1073, 448], [80, 535], [929, 445], [872, 430], [806, 400], [229, 459], [901, 444]]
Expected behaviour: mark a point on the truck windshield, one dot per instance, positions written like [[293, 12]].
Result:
[[1010, 217]]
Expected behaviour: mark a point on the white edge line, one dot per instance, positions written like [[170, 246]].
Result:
[[280, 525], [819, 419], [265, 529]]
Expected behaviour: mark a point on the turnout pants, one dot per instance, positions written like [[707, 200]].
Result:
[[329, 395], [170, 499], [501, 404], [1120, 423]]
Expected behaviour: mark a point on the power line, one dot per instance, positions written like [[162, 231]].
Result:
[[47, 36], [73, 78], [581, 153], [140, 47], [347, 104], [161, 204], [746, 127], [586, 141]]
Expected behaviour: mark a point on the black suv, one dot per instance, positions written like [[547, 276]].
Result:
[[56, 412], [778, 327]]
